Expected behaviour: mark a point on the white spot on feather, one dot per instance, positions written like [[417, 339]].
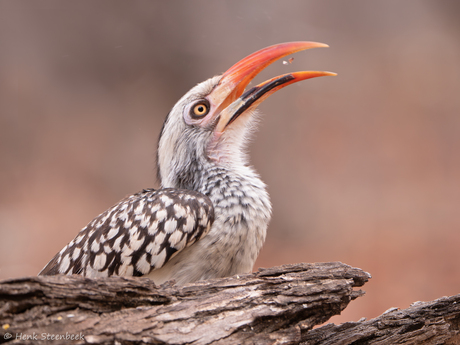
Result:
[[76, 253], [123, 215], [153, 229], [107, 249], [140, 208], [159, 240], [64, 264], [99, 261], [116, 245], [166, 200], [159, 260], [128, 223], [136, 242], [179, 211], [143, 265], [204, 220], [126, 269], [126, 252], [112, 233], [179, 242], [188, 225], [134, 231], [175, 238], [95, 246], [144, 222], [155, 207], [161, 214], [170, 226]]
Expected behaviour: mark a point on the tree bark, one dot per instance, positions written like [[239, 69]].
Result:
[[278, 305], [435, 322]]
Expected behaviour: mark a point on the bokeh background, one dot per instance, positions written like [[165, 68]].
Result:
[[362, 168]]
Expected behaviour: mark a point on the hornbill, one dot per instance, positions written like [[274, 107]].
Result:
[[210, 217]]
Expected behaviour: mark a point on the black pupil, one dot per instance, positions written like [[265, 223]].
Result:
[[200, 109]]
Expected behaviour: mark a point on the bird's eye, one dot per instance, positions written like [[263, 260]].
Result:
[[200, 109]]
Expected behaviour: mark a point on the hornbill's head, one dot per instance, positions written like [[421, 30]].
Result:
[[210, 123]]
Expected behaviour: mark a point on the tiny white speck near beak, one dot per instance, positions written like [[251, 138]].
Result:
[[234, 81]]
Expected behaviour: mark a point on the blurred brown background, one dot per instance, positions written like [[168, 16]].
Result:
[[362, 168]]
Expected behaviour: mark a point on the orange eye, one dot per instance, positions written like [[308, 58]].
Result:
[[200, 109]]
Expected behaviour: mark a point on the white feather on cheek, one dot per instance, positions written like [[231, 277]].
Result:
[[229, 147]]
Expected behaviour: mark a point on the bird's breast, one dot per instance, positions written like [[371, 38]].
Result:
[[242, 212]]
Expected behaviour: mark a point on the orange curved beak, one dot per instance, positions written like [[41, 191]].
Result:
[[234, 81]]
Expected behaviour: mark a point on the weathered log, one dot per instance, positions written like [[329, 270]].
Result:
[[278, 305], [274, 304], [429, 323]]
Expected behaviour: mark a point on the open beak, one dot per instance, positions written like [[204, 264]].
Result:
[[228, 95]]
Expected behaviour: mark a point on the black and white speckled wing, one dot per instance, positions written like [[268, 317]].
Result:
[[137, 235]]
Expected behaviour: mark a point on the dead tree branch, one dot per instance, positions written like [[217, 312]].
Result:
[[276, 305], [436, 322]]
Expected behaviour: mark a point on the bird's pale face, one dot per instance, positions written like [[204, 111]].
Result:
[[211, 122]]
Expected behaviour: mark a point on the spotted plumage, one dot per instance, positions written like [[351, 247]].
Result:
[[210, 218], [140, 233]]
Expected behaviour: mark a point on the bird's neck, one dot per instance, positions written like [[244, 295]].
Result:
[[217, 180]]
